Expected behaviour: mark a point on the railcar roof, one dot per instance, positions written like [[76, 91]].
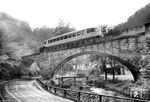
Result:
[[67, 34]]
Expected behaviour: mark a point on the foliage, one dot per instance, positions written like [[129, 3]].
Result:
[[109, 31], [140, 17], [139, 62], [9, 71], [16, 37], [67, 68], [3, 45], [95, 72], [12, 68], [63, 28], [45, 73], [45, 32]]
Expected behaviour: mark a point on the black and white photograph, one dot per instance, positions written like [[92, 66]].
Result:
[[75, 51]]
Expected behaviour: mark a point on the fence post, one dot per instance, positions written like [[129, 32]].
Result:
[[65, 93], [54, 90], [79, 96], [50, 88], [46, 88], [100, 98]]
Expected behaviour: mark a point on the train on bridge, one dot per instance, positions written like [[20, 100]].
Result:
[[88, 36], [66, 38], [72, 36]]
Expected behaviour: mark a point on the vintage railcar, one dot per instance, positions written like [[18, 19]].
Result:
[[72, 36]]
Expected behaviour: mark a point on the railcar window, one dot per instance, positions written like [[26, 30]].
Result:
[[69, 36], [92, 29], [82, 31], [53, 40], [88, 30], [61, 38], [45, 42], [97, 30], [65, 37], [74, 34], [78, 33], [57, 39]]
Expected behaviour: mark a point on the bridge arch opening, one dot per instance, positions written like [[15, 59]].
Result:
[[134, 71]]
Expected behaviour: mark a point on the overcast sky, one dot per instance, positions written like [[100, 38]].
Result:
[[80, 13]]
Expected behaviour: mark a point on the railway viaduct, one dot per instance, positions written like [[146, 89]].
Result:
[[132, 43]]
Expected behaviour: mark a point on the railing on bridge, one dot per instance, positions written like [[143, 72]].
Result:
[[81, 96]]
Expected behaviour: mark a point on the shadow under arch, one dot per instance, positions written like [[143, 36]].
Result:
[[134, 71]]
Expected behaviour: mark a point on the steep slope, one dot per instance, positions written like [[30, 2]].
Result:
[[18, 36], [139, 18]]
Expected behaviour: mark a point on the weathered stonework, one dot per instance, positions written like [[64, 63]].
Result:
[[131, 43]]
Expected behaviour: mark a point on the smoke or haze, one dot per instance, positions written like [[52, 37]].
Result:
[[18, 36]]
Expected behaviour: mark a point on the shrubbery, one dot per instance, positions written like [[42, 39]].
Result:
[[9, 71]]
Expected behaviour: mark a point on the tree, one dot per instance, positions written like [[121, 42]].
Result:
[[99, 60], [139, 18], [43, 33], [63, 28], [109, 31], [104, 66], [5, 49], [104, 29], [1, 42], [113, 64]]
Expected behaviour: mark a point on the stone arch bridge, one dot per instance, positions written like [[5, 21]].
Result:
[[130, 44]]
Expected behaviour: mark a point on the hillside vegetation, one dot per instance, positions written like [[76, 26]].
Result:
[[17, 39], [140, 17]]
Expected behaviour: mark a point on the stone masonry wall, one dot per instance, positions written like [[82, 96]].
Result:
[[131, 44]]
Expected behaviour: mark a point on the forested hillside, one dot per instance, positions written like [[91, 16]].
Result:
[[16, 36], [18, 39], [140, 17], [45, 32]]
